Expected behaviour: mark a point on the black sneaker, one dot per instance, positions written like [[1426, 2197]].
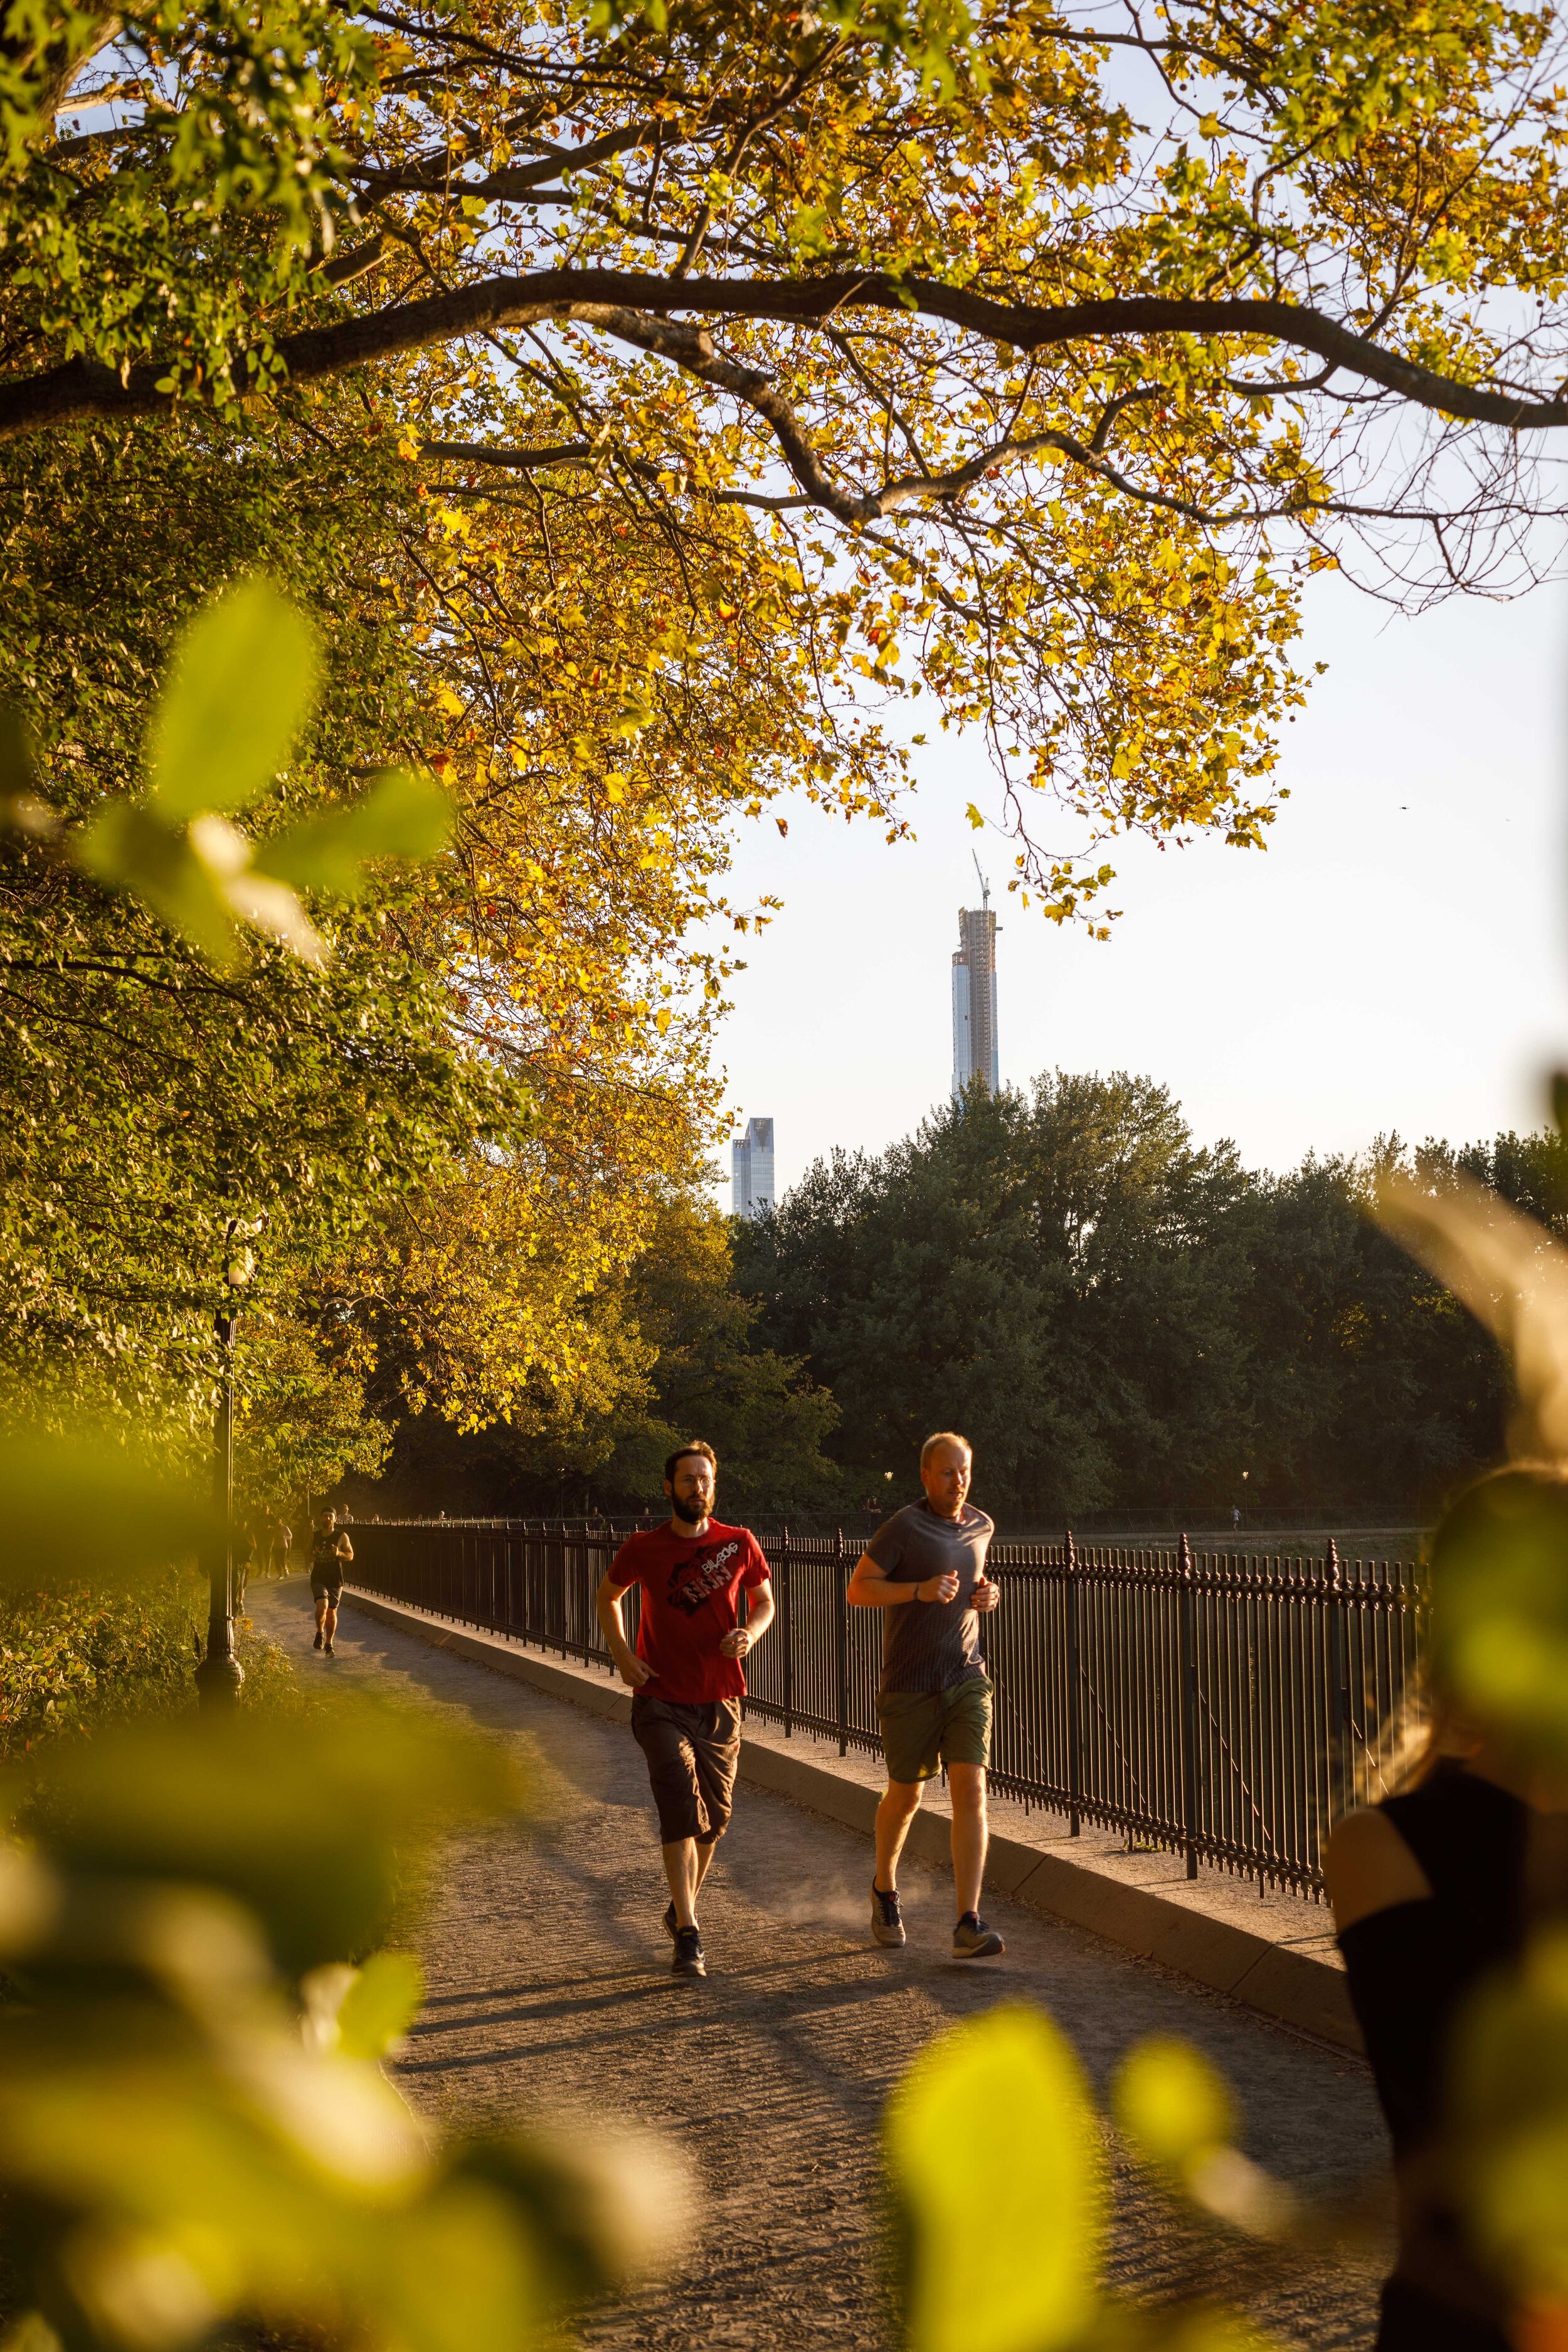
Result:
[[671, 1923], [689, 1960], [318, 1638], [330, 1652], [887, 1924], [974, 1940]]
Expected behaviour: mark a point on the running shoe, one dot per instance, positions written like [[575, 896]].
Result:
[[974, 1940], [887, 1923], [689, 1960], [319, 1638], [330, 1652]]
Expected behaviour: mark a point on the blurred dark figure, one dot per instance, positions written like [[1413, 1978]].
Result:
[[1435, 1889], [244, 1562], [331, 1552]]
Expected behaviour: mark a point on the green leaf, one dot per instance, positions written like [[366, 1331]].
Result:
[[131, 849], [1004, 2253], [381, 2004], [402, 815], [1171, 2103], [1499, 1632], [78, 1506], [1508, 2097], [243, 681], [201, 880], [305, 1823]]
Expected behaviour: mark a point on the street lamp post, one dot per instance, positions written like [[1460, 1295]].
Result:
[[220, 1674]]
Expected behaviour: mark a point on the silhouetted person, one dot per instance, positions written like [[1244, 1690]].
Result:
[[331, 1553], [1433, 1890]]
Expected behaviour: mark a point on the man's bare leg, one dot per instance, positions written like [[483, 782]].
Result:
[[685, 1869], [897, 1809], [686, 1865], [971, 1833]]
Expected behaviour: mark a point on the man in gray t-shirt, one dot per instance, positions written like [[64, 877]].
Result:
[[925, 1569]]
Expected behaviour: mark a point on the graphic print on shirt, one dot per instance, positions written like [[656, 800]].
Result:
[[697, 1580]]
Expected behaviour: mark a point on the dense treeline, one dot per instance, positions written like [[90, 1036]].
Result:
[[1121, 1319]]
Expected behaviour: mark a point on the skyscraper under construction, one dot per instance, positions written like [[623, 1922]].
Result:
[[974, 998]]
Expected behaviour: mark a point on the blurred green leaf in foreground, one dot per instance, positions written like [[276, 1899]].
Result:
[[76, 1505], [194, 2129], [998, 2177], [241, 687], [996, 2157]]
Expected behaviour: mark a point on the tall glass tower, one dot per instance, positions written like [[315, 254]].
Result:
[[751, 1161], [974, 999]]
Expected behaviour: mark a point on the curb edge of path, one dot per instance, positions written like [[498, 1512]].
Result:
[[1295, 1987]]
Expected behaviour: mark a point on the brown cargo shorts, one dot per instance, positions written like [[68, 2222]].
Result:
[[692, 1753]]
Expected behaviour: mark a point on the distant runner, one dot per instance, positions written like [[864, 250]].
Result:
[[926, 1567], [331, 1552], [686, 1673]]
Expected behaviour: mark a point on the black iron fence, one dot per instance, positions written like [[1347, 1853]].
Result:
[[1219, 1705]]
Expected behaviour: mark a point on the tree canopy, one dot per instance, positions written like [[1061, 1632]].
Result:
[[1038, 356], [658, 408], [1121, 1321], [676, 1353], [458, 1129]]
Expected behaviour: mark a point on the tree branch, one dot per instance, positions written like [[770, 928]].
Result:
[[489, 453], [437, 174], [633, 307]]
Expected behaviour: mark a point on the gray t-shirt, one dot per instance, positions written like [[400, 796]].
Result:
[[927, 1645]]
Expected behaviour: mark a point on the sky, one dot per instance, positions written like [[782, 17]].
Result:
[[1395, 961]]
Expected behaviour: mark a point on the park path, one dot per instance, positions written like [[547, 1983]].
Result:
[[551, 1996]]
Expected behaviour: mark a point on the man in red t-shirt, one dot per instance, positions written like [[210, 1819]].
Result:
[[686, 1672]]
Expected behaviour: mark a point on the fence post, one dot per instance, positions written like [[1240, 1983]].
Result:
[[1075, 1715], [842, 1618], [1339, 1606], [1189, 1670], [564, 1594], [787, 1629]]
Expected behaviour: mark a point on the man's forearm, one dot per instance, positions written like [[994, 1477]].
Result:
[[759, 1617], [881, 1593], [607, 1607]]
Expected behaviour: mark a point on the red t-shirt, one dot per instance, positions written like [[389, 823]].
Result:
[[688, 1604]]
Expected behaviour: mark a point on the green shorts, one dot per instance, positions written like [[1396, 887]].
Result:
[[921, 1729]]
